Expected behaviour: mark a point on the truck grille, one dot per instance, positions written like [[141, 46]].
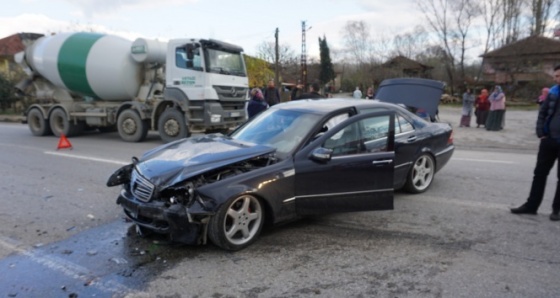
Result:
[[141, 187], [229, 93]]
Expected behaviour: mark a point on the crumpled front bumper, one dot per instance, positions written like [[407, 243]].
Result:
[[156, 216]]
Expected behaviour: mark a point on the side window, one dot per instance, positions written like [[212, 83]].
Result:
[[181, 59], [345, 142], [404, 124], [364, 136]]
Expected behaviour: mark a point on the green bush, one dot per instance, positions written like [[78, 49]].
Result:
[[7, 97]]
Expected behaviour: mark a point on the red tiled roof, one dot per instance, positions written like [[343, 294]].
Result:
[[13, 44]]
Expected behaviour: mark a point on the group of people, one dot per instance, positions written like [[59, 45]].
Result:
[[489, 109], [357, 94], [260, 100]]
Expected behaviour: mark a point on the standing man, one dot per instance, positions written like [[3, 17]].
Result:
[[357, 93], [548, 130], [297, 91], [314, 92], [271, 94]]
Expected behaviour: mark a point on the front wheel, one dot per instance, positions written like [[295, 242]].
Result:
[[421, 174], [131, 127], [172, 125], [237, 223]]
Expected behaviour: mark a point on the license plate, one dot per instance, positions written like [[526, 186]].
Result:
[[234, 114]]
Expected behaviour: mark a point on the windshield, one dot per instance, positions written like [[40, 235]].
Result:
[[226, 63], [281, 129]]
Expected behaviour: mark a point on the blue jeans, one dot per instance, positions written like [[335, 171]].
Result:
[[549, 152]]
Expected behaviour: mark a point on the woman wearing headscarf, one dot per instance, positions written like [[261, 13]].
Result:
[[544, 94], [257, 103], [468, 101], [496, 119], [482, 106]]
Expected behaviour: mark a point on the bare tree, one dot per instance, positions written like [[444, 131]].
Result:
[[438, 15], [410, 44], [465, 12], [267, 51], [541, 10], [511, 20], [356, 36]]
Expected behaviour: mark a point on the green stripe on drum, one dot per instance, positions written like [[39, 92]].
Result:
[[72, 59]]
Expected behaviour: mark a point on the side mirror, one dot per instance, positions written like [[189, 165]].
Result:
[[321, 154]]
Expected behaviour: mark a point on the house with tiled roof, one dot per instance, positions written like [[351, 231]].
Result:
[[11, 45], [401, 66], [531, 59]]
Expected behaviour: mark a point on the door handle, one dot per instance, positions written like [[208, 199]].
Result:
[[385, 161], [412, 139]]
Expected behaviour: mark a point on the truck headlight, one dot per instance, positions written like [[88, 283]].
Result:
[[215, 118]]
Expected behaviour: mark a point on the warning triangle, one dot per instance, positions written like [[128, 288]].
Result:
[[63, 143]]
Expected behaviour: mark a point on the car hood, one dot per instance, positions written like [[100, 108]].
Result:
[[175, 162], [418, 93]]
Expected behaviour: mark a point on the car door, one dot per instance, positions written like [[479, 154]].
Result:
[[349, 168]]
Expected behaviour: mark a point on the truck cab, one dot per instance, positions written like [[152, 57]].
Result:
[[208, 79]]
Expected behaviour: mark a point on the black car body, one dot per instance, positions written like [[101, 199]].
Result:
[[294, 159]]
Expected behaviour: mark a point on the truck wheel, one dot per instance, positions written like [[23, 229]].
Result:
[[38, 125], [172, 126], [61, 125], [131, 127]]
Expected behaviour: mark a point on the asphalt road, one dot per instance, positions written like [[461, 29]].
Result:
[[61, 232]]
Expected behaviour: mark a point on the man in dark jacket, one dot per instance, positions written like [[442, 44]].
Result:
[[548, 130], [271, 94], [314, 92]]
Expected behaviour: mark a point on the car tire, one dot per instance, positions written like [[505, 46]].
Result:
[[60, 124], [38, 125], [172, 125], [131, 127], [237, 223], [421, 174]]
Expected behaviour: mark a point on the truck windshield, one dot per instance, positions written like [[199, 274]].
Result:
[[226, 63]]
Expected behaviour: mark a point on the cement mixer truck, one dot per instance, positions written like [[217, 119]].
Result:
[[82, 81]]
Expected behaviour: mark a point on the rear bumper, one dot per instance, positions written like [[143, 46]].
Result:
[[159, 218], [443, 157]]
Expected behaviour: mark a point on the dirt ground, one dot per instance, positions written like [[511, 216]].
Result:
[[518, 133]]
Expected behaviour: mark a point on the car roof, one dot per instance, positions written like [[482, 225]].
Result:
[[326, 106]]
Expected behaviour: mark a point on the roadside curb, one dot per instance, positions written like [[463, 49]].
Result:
[[11, 118]]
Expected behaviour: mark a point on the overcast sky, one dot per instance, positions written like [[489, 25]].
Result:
[[246, 23]]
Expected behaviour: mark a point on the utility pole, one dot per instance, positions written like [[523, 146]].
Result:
[[303, 56], [276, 67]]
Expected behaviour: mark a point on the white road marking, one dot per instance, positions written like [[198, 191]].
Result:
[[112, 161], [484, 160], [66, 268]]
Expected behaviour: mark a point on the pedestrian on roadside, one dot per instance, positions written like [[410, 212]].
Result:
[[468, 101], [271, 94], [297, 91], [482, 106], [256, 103], [496, 119], [369, 93], [357, 93], [542, 97], [313, 92], [548, 130]]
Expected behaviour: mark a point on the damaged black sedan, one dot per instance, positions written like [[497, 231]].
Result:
[[294, 159]]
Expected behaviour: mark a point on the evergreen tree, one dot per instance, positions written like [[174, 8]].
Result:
[[327, 72]]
